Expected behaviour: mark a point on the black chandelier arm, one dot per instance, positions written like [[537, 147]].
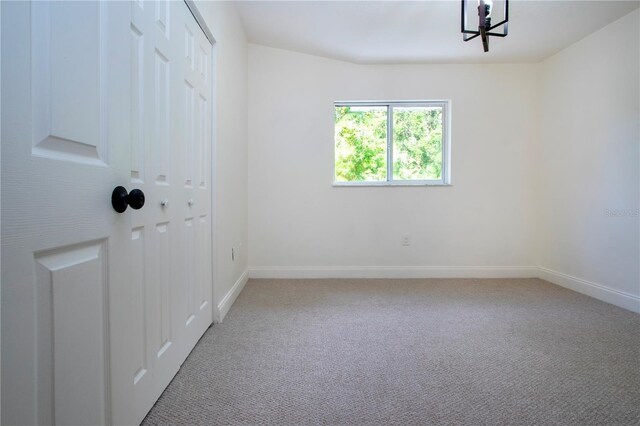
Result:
[[498, 24], [478, 32], [472, 37]]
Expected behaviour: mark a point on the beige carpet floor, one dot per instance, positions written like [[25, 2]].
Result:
[[411, 352]]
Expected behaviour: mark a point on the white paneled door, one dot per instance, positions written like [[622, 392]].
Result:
[[100, 308]]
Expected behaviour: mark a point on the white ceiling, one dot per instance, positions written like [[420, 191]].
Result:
[[422, 31]]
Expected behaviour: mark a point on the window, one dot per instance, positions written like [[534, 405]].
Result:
[[391, 143]]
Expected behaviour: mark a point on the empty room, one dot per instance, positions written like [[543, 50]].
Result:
[[320, 212]]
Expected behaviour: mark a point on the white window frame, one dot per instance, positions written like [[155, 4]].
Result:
[[445, 180]]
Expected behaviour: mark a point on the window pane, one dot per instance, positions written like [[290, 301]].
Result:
[[417, 143], [361, 143]]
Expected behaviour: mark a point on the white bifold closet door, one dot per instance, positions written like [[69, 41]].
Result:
[[99, 308]]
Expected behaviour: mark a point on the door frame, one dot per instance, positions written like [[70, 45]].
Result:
[[193, 8]]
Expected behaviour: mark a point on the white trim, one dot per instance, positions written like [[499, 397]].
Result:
[[406, 103], [445, 179], [367, 184], [389, 144], [213, 157], [393, 272], [597, 291], [446, 143], [200, 20], [227, 301]]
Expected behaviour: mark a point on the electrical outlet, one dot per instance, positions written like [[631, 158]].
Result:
[[406, 240]]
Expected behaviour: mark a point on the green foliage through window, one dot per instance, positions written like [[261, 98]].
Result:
[[361, 142]]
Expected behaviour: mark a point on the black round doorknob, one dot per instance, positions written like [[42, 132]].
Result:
[[120, 199]]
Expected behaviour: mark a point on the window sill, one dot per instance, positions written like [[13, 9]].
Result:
[[376, 184]]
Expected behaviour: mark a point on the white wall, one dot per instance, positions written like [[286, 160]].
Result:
[[300, 225], [230, 167], [541, 152], [589, 164]]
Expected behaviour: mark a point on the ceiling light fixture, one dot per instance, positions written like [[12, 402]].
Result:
[[484, 22]]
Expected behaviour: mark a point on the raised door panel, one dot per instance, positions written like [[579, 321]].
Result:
[[189, 50], [161, 291], [204, 267], [189, 134], [69, 81], [189, 271], [161, 143], [138, 336], [203, 140], [137, 103], [163, 16], [71, 293]]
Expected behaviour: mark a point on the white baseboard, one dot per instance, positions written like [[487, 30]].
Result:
[[394, 272], [231, 296], [597, 291]]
